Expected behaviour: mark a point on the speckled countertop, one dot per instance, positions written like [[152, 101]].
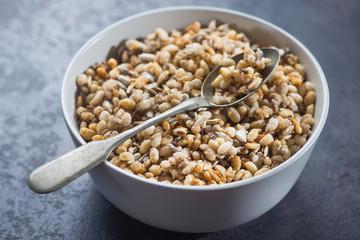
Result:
[[37, 42]]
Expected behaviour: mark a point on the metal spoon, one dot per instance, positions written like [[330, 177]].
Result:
[[61, 171]]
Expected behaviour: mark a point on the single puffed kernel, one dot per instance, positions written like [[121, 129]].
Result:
[[165, 165], [162, 34], [148, 132], [154, 155], [180, 131], [234, 115], [81, 80], [126, 156], [101, 71], [253, 134], [156, 139], [97, 138], [145, 146], [210, 154], [252, 146], [140, 82], [266, 140], [144, 105], [87, 133], [224, 148], [137, 167], [97, 98], [236, 163], [155, 169], [261, 171], [164, 106], [310, 98], [127, 104]]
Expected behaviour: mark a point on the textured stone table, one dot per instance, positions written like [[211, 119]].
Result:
[[37, 42]]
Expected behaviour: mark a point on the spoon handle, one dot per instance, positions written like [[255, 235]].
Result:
[[62, 170]]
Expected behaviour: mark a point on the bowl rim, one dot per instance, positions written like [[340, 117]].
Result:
[[310, 142]]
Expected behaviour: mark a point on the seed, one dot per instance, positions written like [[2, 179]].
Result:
[[134, 45], [165, 165], [112, 63], [210, 154], [171, 48], [195, 129], [137, 167], [140, 82], [227, 62], [166, 125], [154, 155], [201, 120], [195, 26], [189, 179], [126, 156], [81, 80], [148, 132], [156, 140], [97, 138], [246, 175], [261, 171], [126, 119], [252, 135], [266, 140], [236, 163], [147, 57], [127, 104], [213, 145], [224, 148], [97, 98], [165, 151], [87, 116], [167, 140], [87, 133], [272, 124], [251, 167], [220, 169], [180, 131], [252, 146], [217, 81], [241, 135], [233, 115], [162, 34], [239, 175], [164, 106], [155, 169], [267, 161], [163, 77], [102, 73], [145, 146], [310, 98]]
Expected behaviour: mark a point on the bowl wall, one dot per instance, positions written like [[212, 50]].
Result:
[[194, 209]]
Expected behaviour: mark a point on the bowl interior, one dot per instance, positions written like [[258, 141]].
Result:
[[259, 31]]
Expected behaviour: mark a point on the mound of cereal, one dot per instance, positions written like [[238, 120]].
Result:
[[204, 146]]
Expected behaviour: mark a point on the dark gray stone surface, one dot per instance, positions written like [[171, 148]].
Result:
[[37, 42]]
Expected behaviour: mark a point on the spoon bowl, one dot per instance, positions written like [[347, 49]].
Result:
[[207, 91]]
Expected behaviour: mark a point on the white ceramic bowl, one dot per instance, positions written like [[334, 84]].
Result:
[[194, 208]]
